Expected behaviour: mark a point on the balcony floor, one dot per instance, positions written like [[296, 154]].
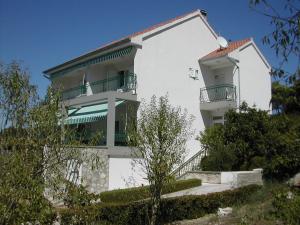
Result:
[[209, 106]]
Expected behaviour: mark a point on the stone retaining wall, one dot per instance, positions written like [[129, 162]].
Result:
[[95, 179]]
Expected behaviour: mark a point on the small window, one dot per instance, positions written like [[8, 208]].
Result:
[[217, 117], [218, 123]]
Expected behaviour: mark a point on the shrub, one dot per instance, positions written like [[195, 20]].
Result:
[[287, 206], [77, 196], [254, 139], [172, 209], [138, 193]]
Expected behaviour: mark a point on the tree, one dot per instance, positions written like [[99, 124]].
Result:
[[218, 156], [286, 99], [33, 155], [160, 136], [251, 139], [285, 37]]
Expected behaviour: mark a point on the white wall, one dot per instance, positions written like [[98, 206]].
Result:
[[162, 67], [255, 79], [123, 174]]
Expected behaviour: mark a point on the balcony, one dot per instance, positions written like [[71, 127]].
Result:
[[218, 96], [124, 83]]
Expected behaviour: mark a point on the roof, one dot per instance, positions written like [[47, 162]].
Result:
[[161, 24], [121, 41], [224, 51]]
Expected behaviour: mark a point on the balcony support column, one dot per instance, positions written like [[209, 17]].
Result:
[[111, 117]]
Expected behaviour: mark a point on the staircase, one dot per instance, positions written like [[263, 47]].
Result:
[[191, 164]]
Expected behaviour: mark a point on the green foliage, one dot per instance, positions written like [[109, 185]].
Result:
[[253, 139], [220, 156], [139, 193], [21, 196], [33, 156], [287, 206], [160, 137], [78, 196], [286, 99], [285, 35], [172, 209]]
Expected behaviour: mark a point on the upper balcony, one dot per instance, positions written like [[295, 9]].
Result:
[[218, 96], [123, 83]]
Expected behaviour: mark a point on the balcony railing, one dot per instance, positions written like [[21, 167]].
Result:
[[124, 82], [120, 139], [74, 92], [224, 92]]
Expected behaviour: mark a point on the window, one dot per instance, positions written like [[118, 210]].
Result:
[[218, 120], [217, 117]]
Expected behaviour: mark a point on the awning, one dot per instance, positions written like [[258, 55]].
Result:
[[88, 114], [96, 60]]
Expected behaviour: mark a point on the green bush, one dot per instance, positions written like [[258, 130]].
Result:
[[287, 206], [253, 139], [139, 193], [172, 209], [77, 196]]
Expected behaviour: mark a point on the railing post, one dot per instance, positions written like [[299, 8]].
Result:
[[110, 137]]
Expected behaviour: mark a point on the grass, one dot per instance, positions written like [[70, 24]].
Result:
[[258, 211]]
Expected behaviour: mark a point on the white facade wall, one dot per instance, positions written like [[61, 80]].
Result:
[[255, 79], [162, 67]]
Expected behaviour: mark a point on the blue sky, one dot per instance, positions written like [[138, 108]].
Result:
[[44, 33]]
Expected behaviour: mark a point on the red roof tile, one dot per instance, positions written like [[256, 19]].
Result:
[[224, 51]]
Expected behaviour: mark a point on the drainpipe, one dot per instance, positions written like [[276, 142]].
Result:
[[235, 63]]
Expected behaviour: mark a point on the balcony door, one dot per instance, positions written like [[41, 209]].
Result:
[[121, 78]]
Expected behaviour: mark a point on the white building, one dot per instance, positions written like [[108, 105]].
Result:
[[181, 57]]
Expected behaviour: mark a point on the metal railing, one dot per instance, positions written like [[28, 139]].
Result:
[[124, 82], [191, 164], [120, 139], [74, 92], [223, 92]]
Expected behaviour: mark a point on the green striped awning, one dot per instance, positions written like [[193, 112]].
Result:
[[88, 114], [96, 60]]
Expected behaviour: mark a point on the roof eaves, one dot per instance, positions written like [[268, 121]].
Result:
[[213, 58], [231, 48], [89, 54], [127, 39], [169, 23]]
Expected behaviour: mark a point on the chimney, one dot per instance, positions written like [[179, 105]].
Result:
[[203, 13]]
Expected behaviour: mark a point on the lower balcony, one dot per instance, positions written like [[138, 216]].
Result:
[[90, 138], [126, 82], [218, 96]]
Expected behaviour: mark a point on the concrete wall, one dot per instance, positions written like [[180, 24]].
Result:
[[205, 177], [125, 173], [242, 178], [234, 178]]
